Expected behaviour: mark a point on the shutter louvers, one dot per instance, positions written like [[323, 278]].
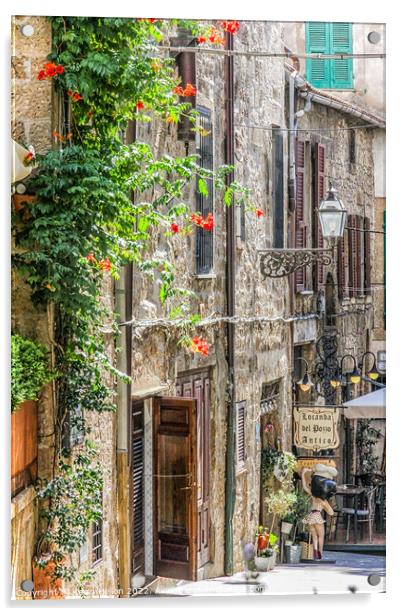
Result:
[[367, 257], [317, 41], [352, 255], [358, 257], [341, 69], [319, 177], [241, 433], [300, 231], [341, 268]]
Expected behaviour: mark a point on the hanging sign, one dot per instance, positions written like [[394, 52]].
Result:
[[316, 427]]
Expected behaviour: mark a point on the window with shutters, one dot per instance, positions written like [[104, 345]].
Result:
[[205, 203], [359, 258], [240, 434], [329, 38], [97, 541], [367, 257]]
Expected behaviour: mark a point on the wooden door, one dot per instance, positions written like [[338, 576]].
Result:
[[198, 386], [175, 488]]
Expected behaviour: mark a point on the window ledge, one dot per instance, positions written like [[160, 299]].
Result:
[[305, 293], [211, 276]]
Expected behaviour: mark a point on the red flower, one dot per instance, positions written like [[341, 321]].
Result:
[[174, 227], [41, 75], [140, 105], [70, 92], [197, 219], [28, 158], [262, 542], [105, 264], [189, 90], [59, 69], [259, 213], [201, 39], [178, 90], [230, 26], [198, 345], [77, 97], [50, 69], [208, 222], [91, 258]]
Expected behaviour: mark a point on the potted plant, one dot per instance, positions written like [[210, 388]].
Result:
[[279, 504], [298, 511], [267, 548]]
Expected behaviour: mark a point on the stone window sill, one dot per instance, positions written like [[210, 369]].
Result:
[[211, 276]]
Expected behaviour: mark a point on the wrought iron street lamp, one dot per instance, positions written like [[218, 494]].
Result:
[[355, 376], [305, 383], [373, 373], [277, 263], [332, 214]]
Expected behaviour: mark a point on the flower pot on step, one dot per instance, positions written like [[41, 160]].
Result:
[[45, 587]]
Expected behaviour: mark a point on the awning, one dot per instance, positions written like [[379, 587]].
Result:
[[370, 406]]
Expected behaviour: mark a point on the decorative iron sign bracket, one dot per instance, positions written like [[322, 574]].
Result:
[[277, 263]]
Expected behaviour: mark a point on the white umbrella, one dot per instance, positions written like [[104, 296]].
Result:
[[370, 406]]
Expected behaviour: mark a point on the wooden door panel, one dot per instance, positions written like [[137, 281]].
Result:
[[175, 488]]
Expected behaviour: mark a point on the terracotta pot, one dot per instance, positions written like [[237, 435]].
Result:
[[24, 445], [44, 586]]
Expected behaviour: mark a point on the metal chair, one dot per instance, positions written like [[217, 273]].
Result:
[[365, 514]]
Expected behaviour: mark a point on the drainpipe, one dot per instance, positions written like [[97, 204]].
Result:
[[230, 483], [123, 308]]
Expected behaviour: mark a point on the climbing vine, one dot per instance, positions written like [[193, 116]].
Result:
[[85, 224]]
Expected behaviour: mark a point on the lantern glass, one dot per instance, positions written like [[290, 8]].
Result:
[[332, 215]]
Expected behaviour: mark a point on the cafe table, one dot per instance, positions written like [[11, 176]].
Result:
[[351, 491]]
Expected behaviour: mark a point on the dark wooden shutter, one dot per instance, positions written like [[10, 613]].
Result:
[[137, 469], [300, 230], [352, 255], [319, 188], [278, 189], [367, 257], [342, 267], [204, 239], [240, 434], [358, 256]]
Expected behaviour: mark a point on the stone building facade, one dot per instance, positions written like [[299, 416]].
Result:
[[275, 321]]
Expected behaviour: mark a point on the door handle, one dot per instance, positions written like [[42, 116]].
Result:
[[194, 485]]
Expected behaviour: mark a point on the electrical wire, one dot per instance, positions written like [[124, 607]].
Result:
[[271, 54], [304, 130]]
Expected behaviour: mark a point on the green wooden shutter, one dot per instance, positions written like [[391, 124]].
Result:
[[318, 41], [341, 71]]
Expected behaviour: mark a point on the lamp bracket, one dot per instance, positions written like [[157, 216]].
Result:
[[277, 263]]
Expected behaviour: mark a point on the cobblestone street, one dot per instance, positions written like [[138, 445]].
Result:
[[350, 573]]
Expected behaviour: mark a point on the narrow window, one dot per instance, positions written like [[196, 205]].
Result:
[[240, 434], [352, 146], [205, 203], [73, 428], [97, 540]]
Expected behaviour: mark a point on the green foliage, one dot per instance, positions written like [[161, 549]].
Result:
[[366, 440], [300, 507], [75, 497], [280, 503], [29, 369], [280, 464]]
